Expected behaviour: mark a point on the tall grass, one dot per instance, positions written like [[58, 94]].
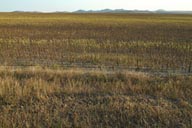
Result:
[[75, 98]]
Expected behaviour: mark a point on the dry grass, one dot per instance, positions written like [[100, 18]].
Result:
[[41, 90], [68, 98], [155, 42]]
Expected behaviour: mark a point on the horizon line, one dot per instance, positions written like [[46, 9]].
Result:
[[100, 10]]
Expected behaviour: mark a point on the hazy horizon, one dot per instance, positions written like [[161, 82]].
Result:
[[72, 5]]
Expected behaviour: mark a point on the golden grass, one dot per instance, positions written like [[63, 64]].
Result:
[[156, 42], [74, 70], [78, 98]]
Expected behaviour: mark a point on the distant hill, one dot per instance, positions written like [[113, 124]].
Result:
[[160, 11], [111, 11]]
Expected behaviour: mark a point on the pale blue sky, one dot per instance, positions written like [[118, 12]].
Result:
[[72, 5]]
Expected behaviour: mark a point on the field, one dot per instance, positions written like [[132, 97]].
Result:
[[95, 70]]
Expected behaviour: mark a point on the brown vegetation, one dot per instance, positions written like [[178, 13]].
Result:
[[156, 42], [75, 98], [73, 70]]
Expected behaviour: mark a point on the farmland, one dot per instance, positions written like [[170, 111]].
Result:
[[95, 70]]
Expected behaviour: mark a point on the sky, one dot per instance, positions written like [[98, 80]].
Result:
[[73, 5]]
